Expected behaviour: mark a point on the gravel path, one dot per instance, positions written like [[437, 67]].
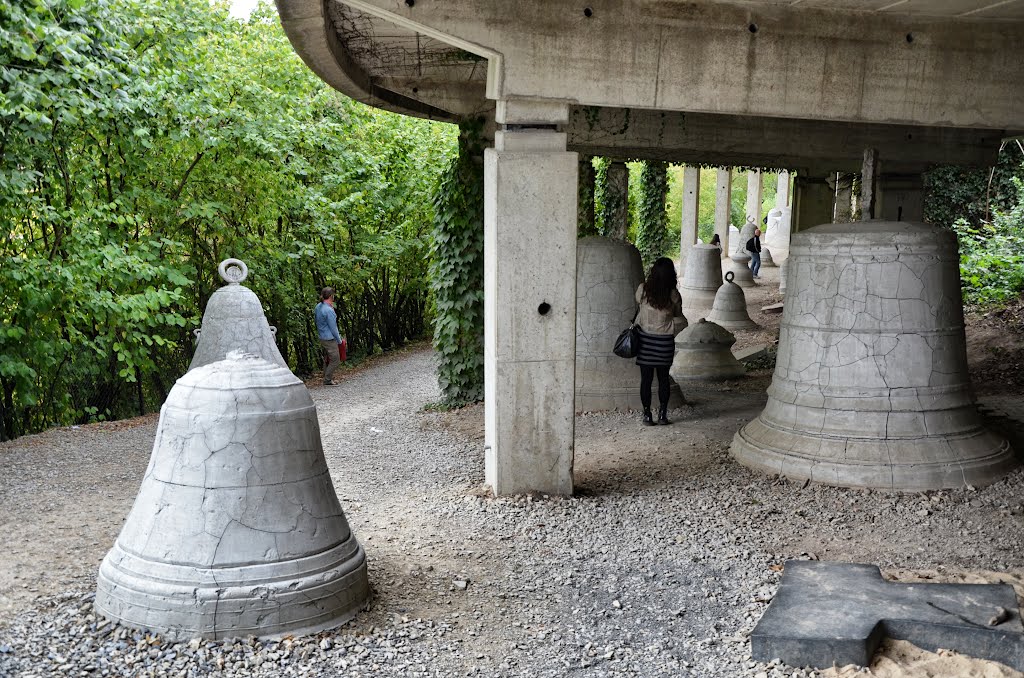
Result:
[[660, 566]]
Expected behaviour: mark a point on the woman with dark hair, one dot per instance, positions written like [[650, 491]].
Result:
[[659, 320]]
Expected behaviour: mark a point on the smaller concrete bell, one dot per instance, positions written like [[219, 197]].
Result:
[[703, 353], [234, 321], [701, 279], [766, 258], [730, 310], [740, 268]]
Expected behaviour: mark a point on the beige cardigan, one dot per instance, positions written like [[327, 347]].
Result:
[[656, 321]]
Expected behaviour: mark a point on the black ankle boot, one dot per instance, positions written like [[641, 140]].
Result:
[[663, 415], [648, 417]]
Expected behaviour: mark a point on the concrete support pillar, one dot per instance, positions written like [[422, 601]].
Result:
[[688, 222], [585, 197], [868, 179], [530, 213], [754, 190], [616, 201], [900, 197], [844, 199], [813, 202], [782, 190], [723, 202]]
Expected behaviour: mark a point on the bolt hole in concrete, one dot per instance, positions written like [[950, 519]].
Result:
[[587, 12], [544, 308], [415, 90], [910, 37], [752, 28], [410, 3]]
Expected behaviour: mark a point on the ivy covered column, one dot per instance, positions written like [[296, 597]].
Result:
[[530, 224], [616, 201]]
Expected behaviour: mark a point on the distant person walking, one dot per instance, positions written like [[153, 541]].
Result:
[[327, 329], [716, 241], [754, 247], [660, 319]]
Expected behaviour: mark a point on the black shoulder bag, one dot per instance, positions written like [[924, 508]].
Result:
[[628, 343]]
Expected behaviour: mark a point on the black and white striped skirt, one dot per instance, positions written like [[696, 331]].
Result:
[[656, 350]]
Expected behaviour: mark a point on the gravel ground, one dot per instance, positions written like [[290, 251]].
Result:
[[659, 566]]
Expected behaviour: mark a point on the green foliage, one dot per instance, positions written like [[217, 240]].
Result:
[[973, 194], [457, 271], [586, 221], [141, 143], [992, 255], [652, 223]]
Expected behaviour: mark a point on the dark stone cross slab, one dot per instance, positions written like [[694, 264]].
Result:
[[827, 613]]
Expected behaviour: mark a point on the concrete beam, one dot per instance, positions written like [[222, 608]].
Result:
[[738, 141], [713, 57]]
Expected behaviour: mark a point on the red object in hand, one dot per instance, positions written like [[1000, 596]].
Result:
[[343, 349]]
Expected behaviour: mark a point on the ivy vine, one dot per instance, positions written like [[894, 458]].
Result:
[[457, 271], [652, 221]]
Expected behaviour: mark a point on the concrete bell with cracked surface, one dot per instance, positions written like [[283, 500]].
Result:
[[871, 386], [730, 309], [766, 258], [608, 271], [701, 279], [236, 530], [234, 321], [704, 353], [740, 268]]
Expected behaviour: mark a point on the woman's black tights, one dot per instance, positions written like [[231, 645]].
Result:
[[647, 379]]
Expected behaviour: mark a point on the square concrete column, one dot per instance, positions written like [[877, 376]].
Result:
[[530, 193], [813, 202], [754, 195], [900, 197], [723, 204], [691, 207], [782, 190]]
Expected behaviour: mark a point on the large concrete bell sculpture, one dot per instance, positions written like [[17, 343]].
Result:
[[608, 271], [871, 386], [730, 309], [701, 279], [237, 529], [704, 353], [234, 320]]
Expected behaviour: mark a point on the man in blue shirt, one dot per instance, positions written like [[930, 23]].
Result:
[[327, 329]]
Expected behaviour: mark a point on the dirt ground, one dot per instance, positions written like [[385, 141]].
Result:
[[62, 503]]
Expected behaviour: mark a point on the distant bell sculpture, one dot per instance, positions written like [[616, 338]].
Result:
[[730, 309], [766, 258], [783, 268], [740, 268], [704, 353], [701, 279], [234, 321], [745, 234], [608, 272], [871, 386], [236, 530]]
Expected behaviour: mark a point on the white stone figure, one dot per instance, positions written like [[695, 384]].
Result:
[[871, 386], [704, 353], [234, 321], [730, 309], [236, 530], [740, 268], [702, 278], [608, 271]]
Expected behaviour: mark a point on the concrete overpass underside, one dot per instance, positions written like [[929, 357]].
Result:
[[817, 86]]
